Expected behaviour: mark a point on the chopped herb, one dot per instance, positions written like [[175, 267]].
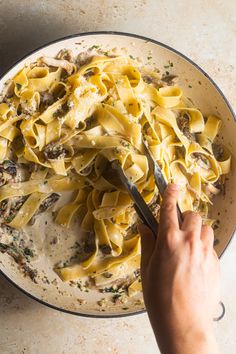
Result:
[[82, 287], [167, 73], [149, 57], [199, 82], [170, 64], [116, 297], [131, 56], [76, 245], [190, 86], [112, 289], [28, 252], [94, 47], [106, 53], [7, 162], [10, 218]]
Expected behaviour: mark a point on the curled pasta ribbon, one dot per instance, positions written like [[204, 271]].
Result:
[[131, 249], [6, 112], [73, 122], [40, 78]]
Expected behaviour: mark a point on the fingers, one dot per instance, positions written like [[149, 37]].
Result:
[[168, 212], [207, 237], [192, 223], [147, 244]]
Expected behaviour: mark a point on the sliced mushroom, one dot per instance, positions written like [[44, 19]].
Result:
[[8, 171], [45, 205], [83, 58], [169, 79], [59, 63], [9, 208], [54, 151], [183, 124], [201, 160], [66, 54], [49, 202], [8, 89], [9, 167]]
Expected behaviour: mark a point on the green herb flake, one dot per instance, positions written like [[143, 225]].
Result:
[[94, 47], [167, 73], [131, 56], [28, 252], [7, 162], [109, 290], [10, 218], [149, 58], [190, 86]]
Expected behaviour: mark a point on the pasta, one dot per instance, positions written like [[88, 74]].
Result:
[[70, 122]]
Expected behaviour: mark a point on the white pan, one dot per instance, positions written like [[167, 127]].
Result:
[[197, 85]]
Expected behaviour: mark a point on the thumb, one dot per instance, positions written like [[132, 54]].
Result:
[[147, 244]]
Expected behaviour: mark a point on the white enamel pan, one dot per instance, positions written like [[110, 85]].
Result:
[[204, 93]]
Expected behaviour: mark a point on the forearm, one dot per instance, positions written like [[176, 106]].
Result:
[[190, 342], [180, 277]]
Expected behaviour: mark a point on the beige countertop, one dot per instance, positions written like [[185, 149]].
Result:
[[203, 30]]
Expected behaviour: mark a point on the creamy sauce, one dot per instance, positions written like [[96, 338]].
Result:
[[52, 241]]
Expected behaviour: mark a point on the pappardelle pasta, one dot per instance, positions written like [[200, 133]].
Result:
[[61, 126]]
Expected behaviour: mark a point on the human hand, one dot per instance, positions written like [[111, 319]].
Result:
[[180, 277]]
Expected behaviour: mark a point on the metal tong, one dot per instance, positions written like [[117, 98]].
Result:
[[140, 205]]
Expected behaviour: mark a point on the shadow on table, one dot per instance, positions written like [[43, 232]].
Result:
[[25, 30], [12, 299]]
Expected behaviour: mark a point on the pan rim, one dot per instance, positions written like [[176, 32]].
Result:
[[125, 34]]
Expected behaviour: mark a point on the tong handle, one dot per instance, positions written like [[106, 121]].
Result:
[[152, 224], [179, 215]]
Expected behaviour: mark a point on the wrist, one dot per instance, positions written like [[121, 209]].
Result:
[[182, 340], [191, 342]]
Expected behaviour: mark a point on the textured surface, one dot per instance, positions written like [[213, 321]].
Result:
[[204, 31]]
